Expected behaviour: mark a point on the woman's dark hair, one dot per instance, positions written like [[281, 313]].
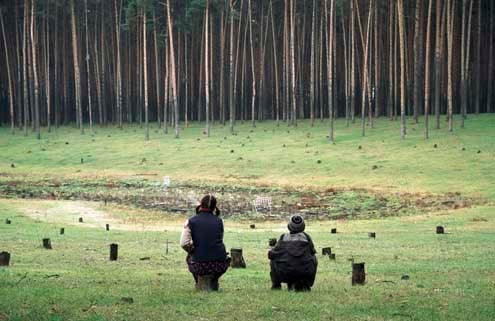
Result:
[[209, 202]]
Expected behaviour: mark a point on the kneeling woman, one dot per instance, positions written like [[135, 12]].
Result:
[[202, 239]]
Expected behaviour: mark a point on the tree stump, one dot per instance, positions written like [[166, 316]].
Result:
[[440, 230], [107, 227], [331, 256], [8, 221], [372, 235], [47, 244], [252, 226], [114, 251], [62, 231], [80, 220], [4, 259], [272, 242], [358, 273], [333, 231], [326, 251], [237, 258], [207, 283]]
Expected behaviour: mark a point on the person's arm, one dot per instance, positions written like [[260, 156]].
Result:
[[186, 241], [311, 245], [276, 247]]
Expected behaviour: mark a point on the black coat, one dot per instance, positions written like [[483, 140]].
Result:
[[293, 257]]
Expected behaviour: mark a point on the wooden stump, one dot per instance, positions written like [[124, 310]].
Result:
[[272, 242], [333, 231], [252, 226], [332, 256], [107, 227], [80, 220], [440, 230], [4, 259], [358, 273], [207, 283], [114, 252], [326, 251], [372, 235], [237, 258], [8, 221], [62, 231], [47, 244]]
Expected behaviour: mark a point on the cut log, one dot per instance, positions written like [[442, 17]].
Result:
[[326, 251], [372, 235], [4, 259], [333, 231], [440, 230], [47, 244], [207, 283], [272, 242], [62, 231], [358, 273], [237, 258], [114, 252]]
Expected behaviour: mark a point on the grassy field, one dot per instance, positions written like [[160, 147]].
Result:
[[450, 276], [271, 156]]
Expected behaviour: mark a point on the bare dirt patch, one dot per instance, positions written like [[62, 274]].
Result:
[[235, 201], [69, 212]]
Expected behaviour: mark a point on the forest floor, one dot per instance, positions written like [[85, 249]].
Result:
[[399, 189]]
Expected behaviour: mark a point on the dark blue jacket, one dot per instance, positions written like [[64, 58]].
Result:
[[207, 235]]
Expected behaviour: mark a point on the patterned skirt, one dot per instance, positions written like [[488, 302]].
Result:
[[216, 268]]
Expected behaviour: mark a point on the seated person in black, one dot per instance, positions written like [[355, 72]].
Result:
[[202, 239], [293, 259]]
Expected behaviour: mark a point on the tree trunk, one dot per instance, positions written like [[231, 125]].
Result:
[[231, 67], [222, 66], [25, 64], [88, 68], [118, 63], [418, 52], [173, 79], [207, 70], [489, 98], [346, 69], [253, 80], [9, 77], [427, 68], [330, 57], [145, 75], [353, 64], [293, 63], [477, 91], [312, 68], [451, 19], [275, 66], [365, 71], [400, 12], [34, 45], [391, 80], [157, 72], [440, 22]]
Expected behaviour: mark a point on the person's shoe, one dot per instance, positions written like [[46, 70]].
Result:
[[276, 286]]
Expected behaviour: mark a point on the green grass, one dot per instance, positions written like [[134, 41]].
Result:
[[451, 276], [412, 165]]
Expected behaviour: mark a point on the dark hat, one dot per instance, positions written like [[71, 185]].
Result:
[[296, 224]]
